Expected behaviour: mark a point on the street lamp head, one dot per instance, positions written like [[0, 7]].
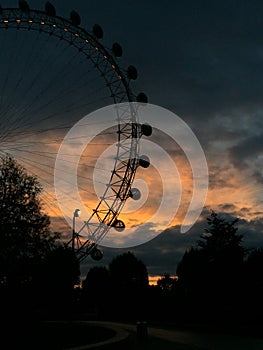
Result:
[[77, 213]]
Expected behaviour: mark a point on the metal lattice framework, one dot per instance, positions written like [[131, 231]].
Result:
[[118, 190], [117, 80]]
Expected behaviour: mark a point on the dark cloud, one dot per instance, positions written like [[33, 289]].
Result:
[[163, 253], [258, 176], [248, 149], [227, 207], [160, 255], [207, 57], [218, 177]]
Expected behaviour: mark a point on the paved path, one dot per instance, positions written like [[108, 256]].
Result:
[[202, 340]]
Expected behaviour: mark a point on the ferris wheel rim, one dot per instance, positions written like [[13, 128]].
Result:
[[118, 83], [40, 20]]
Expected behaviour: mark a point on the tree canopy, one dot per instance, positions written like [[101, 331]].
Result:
[[219, 248], [119, 290], [24, 228], [167, 283], [220, 239], [211, 274], [34, 265], [127, 271], [25, 235]]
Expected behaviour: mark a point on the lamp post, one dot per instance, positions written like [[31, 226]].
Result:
[[75, 215]]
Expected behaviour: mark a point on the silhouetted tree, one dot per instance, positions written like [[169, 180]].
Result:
[[167, 283], [24, 229], [35, 271], [129, 286], [96, 290], [118, 291], [253, 284], [97, 280], [128, 272], [164, 298], [213, 271], [56, 276], [254, 268], [220, 239], [191, 271]]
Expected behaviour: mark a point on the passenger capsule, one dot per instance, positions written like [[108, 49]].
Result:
[[146, 129], [75, 18], [23, 5], [142, 98], [50, 9], [96, 254], [117, 50], [118, 225], [144, 161], [132, 73], [135, 194], [97, 31]]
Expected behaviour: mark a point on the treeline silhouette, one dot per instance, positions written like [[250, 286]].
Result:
[[37, 271], [217, 281]]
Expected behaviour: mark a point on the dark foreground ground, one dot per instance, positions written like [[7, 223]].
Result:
[[81, 335]]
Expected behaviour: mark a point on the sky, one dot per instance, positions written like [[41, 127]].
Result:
[[203, 61]]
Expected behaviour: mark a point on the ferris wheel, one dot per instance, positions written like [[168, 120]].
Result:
[[53, 71]]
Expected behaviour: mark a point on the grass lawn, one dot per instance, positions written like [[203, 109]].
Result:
[[55, 335]]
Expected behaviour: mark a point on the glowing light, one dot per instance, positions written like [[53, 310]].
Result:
[[42, 22], [113, 67], [5, 20], [77, 213]]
